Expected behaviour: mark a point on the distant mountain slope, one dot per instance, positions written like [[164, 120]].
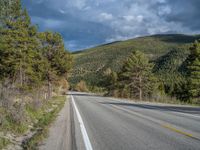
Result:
[[90, 63]]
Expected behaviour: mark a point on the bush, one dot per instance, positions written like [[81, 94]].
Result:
[[81, 86]]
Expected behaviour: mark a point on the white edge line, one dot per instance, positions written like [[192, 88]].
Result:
[[86, 139]]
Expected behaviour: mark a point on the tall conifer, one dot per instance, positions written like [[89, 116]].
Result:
[[193, 72]]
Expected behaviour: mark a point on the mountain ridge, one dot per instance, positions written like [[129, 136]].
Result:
[[90, 63]]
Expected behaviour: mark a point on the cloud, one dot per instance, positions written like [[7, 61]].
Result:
[[164, 10], [84, 23], [105, 16], [129, 18], [62, 11], [80, 4]]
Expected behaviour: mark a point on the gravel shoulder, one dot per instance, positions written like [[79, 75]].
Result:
[[59, 131]]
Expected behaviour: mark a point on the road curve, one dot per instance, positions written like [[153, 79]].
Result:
[[119, 125]]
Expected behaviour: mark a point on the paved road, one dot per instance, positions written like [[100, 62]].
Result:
[[118, 125]]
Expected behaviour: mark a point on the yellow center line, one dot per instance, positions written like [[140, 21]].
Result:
[[165, 125], [178, 131]]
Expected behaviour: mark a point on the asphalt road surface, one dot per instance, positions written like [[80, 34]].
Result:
[[100, 123]]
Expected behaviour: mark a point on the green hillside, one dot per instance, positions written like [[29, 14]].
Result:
[[89, 64]]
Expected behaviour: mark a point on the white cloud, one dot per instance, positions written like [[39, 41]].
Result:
[[61, 11], [164, 10], [105, 16], [140, 18], [129, 18], [161, 1], [80, 4]]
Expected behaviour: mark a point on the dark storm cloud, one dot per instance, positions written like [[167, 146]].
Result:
[[84, 23], [186, 12]]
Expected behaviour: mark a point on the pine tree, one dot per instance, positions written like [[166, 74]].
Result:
[[110, 81], [9, 8], [8, 31], [28, 59], [193, 72], [58, 60], [136, 74], [20, 57]]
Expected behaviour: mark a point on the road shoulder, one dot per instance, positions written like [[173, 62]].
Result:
[[59, 132]]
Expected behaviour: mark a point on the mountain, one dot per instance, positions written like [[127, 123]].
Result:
[[170, 49]]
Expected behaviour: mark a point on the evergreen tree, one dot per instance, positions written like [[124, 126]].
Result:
[[136, 74], [28, 59], [20, 57], [9, 9], [58, 60], [110, 80], [193, 72], [167, 70]]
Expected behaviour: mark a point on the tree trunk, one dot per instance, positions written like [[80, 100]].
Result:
[[140, 88], [49, 90], [140, 94], [20, 74], [20, 71]]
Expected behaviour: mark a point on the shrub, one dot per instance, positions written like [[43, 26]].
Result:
[[81, 86]]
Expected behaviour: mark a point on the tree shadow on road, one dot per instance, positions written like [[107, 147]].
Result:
[[182, 109], [84, 94]]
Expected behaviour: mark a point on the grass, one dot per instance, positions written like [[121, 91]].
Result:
[[3, 142], [9, 125], [44, 120]]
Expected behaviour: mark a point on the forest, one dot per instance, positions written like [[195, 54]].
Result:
[[34, 68]]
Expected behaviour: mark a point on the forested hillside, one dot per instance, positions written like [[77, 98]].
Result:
[[117, 67], [89, 64], [102, 67]]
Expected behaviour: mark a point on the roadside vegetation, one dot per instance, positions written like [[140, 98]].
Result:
[[44, 116], [31, 132], [81, 86], [34, 68]]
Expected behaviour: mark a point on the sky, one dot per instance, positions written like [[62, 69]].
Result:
[[87, 23]]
